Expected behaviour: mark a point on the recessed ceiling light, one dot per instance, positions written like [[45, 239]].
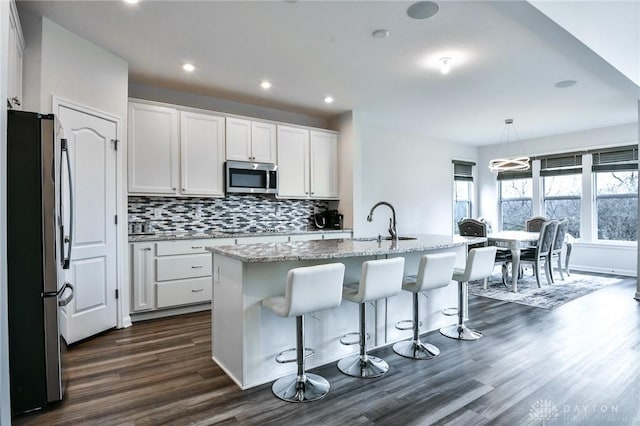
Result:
[[131, 1], [423, 10], [445, 65], [188, 67], [565, 83], [328, 99], [380, 33], [265, 84]]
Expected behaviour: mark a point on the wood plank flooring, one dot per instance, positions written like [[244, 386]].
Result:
[[577, 364]]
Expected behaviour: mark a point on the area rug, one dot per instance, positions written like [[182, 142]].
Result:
[[547, 297]]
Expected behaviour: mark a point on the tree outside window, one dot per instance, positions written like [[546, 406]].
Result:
[[515, 203], [562, 197], [617, 205], [461, 201]]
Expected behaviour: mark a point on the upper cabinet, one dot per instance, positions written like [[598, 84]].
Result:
[[14, 61], [307, 163], [250, 141], [175, 152]]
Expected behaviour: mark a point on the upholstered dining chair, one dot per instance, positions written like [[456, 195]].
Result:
[[534, 224], [541, 255], [559, 245], [469, 227]]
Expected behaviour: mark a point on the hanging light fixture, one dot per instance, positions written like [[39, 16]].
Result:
[[507, 164]]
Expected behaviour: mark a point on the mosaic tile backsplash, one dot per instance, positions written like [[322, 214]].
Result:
[[238, 213]]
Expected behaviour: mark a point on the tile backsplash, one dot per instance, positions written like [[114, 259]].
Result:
[[241, 213]]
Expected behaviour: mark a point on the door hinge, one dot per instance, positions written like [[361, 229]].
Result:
[[117, 294], [115, 143], [116, 219]]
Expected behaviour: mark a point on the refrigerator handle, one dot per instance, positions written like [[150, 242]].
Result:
[[67, 238], [67, 299]]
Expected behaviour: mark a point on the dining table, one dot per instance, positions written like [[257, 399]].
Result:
[[514, 241]]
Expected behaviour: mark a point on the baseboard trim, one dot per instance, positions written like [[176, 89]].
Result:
[[161, 313], [623, 272], [126, 321]]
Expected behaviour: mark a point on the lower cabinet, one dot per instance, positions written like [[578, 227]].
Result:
[[178, 273]]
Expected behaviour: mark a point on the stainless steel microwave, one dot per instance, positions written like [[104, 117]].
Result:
[[251, 178]]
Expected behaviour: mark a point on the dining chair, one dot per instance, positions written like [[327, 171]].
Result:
[[469, 227], [534, 224], [542, 252], [558, 246]]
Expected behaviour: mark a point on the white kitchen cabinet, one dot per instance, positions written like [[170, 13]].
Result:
[[307, 163], [169, 274], [142, 277], [293, 162], [249, 140], [201, 154], [153, 149], [323, 170], [174, 152], [263, 239], [14, 60]]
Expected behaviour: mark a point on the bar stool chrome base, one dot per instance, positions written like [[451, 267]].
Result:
[[460, 332], [306, 388], [369, 368], [416, 349]]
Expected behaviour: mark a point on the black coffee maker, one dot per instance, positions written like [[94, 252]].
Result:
[[329, 219]]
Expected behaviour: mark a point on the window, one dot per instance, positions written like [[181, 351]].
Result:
[[562, 183], [515, 203], [616, 186], [462, 191]]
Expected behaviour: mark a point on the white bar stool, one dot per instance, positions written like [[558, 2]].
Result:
[[378, 279], [308, 289], [435, 271], [479, 266]]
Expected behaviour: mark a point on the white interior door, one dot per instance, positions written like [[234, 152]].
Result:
[[93, 267]]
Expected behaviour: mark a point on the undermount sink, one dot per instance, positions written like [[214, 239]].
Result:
[[401, 238]]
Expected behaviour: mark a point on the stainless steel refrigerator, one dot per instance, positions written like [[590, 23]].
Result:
[[38, 250]]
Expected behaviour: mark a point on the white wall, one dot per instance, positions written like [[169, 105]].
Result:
[[587, 256], [5, 404], [59, 63], [409, 171], [159, 94]]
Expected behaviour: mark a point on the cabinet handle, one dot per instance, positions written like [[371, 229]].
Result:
[[196, 267], [174, 188], [197, 291], [146, 248], [196, 247]]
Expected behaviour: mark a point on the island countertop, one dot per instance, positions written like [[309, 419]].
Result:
[[340, 248]]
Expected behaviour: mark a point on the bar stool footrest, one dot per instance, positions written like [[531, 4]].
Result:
[[281, 359], [400, 325], [344, 340], [450, 312]]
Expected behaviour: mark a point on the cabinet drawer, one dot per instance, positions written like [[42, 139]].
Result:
[[180, 267], [184, 292], [168, 248]]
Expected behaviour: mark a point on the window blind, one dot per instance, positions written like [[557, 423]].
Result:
[[463, 170], [521, 174], [612, 159], [564, 164]]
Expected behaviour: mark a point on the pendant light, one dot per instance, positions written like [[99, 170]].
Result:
[[506, 163]]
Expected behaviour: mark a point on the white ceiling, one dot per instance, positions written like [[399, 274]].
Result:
[[510, 56]]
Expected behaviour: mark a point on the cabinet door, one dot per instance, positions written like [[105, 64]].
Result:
[[263, 142], [153, 149], [238, 139], [201, 154], [293, 162], [142, 278], [324, 164]]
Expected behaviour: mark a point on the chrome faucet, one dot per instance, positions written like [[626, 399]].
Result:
[[393, 225]]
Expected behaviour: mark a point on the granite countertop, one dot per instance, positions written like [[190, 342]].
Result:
[[195, 235], [340, 248]]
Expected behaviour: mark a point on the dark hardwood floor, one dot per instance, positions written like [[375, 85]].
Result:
[[577, 364]]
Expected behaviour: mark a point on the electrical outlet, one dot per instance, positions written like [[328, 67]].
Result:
[[216, 274], [198, 212], [157, 213]]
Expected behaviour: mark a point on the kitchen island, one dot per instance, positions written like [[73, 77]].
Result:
[[246, 337]]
